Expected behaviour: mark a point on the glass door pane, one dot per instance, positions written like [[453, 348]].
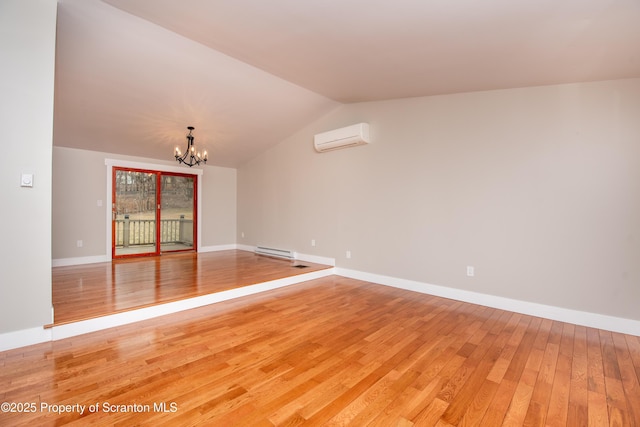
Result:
[[177, 218], [134, 213]]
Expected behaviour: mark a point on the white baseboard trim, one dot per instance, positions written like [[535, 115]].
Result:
[[316, 259], [23, 338], [63, 262], [118, 319], [583, 318], [218, 248]]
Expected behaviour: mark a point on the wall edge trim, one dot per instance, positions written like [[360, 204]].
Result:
[[576, 317]]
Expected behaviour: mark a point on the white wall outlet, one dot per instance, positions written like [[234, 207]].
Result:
[[99, 203], [313, 242], [26, 180], [79, 243], [242, 234], [470, 271], [348, 254]]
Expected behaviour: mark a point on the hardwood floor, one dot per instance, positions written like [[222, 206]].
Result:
[[94, 290], [331, 351]]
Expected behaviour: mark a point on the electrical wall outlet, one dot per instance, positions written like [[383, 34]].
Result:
[[79, 243], [348, 254], [26, 180], [470, 271]]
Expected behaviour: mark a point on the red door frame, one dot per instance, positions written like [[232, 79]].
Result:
[[158, 175], [195, 207]]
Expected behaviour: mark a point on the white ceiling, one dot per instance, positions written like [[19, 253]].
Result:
[[131, 75]]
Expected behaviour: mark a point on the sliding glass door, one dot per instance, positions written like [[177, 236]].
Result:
[[134, 228], [177, 228], [152, 212]]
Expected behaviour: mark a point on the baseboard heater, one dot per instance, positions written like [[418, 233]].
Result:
[[279, 253]]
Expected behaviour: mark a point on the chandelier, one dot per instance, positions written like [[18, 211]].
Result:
[[190, 157]]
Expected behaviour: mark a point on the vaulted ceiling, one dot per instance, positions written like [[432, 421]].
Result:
[[131, 75]]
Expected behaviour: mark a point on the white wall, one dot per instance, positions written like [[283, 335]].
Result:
[[27, 55], [80, 181], [537, 188]]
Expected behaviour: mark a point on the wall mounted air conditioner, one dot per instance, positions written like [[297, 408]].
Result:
[[349, 136]]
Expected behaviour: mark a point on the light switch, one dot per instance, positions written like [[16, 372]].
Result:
[[26, 180]]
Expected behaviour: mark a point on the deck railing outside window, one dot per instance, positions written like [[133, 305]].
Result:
[[133, 232]]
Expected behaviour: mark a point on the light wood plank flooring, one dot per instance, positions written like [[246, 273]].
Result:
[[331, 351], [94, 290]]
